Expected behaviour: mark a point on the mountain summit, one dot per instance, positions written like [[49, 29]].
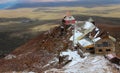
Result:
[[53, 52]]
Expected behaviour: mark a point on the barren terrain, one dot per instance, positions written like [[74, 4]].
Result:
[[18, 26]]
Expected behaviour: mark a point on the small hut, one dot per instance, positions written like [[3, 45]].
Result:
[[105, 45], [68, 20]]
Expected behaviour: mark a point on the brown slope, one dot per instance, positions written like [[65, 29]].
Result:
[[36, 53], [39, 51]]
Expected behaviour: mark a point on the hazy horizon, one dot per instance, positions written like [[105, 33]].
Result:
[[5, 4]]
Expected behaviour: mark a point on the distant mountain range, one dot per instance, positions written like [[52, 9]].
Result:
[[84, 3]]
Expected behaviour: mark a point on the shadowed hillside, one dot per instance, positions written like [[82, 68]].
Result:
[[34, 54]]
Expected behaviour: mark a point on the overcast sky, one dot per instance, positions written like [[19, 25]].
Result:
[[46, 0], [10, 3], [7, 1], [23, 1]]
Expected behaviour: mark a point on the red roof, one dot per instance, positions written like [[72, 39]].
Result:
[[67, 22]]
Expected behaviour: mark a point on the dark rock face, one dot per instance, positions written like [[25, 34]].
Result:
[[115, 60]]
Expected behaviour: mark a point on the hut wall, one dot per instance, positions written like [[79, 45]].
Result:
[[104, 46]]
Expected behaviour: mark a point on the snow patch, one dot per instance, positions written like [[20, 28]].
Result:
[[55, 60], [96, 29], [74, 56], [93, 64], [23, 72], [10, 56]]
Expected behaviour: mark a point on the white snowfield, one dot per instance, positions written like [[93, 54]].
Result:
[[74, 56], [89, 64]]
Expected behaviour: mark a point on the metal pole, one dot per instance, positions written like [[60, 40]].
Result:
[[74, 43]]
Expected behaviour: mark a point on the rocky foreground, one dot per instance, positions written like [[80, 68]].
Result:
[[42, 55]]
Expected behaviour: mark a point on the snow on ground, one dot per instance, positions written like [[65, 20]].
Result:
[[55, 60], [74, 56], [90, 64], [21, 72], [10, 56]]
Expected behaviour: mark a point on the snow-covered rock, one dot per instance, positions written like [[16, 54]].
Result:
[[93, 64], [10, 56], [74, 56]]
